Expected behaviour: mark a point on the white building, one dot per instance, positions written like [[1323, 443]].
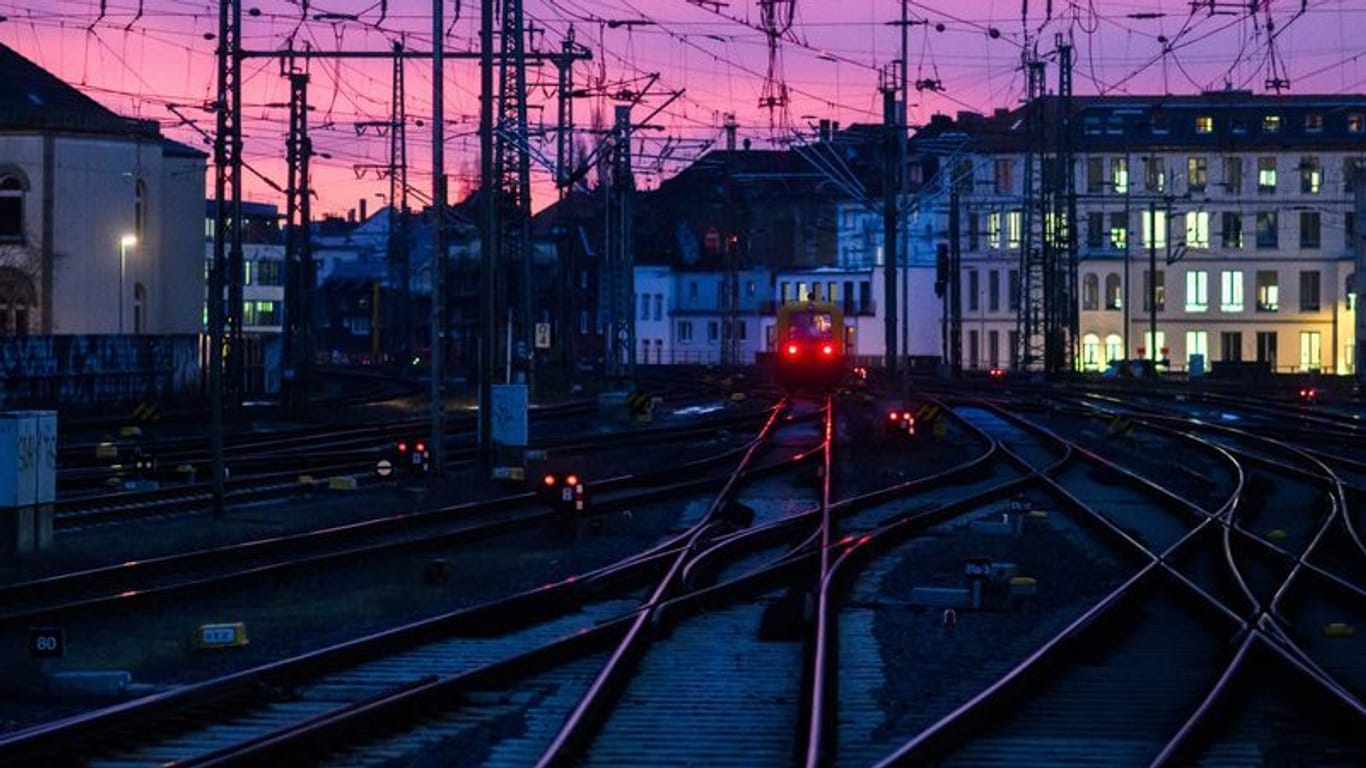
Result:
[[99, 215]]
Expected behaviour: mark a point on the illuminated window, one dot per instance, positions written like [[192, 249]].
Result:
[[1154, 229], [1154, 176], [1266, 174], [1114, 292], [1271, 124], [1197, 343], [1311, 347], [1119, 174], [1090, 292], [1356, 122], [1119, 230], [1090, 352], [1197, 229], [1268, 291], [1013, 227], [1204, 124], [1231, 291], [1311, 175], [1114, 347], [1197, 174], [1197, 291], [994, 229]]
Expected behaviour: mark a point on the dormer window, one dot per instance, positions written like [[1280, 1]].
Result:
[[1313, 123], [1204, 124], [1271, 124], [1356, 122]]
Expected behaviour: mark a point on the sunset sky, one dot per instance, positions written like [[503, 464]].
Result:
[[966, 57]]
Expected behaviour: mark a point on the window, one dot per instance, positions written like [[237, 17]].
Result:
[[974, 288], [1114, 347], [1114, 293], [1231, 291], [974, 230], [1233, 175], [785, 291], [974, 350], [1271, 124], [994, 290], [1232, 236], [713, 331], [993, 348], [1266, 348], [1350, 167], [1197, 291], [1013, 284], [1313, 122], [1204, 124], [1310, 351], [1013, 229], [1090, 352], [1157, 291], [1197, 174], [1154, 228], [1093, 126], [1268, 291], [1311, 175], [1231, 346], [1197, 229], [1356, 122], [139, 307], [1268, 235], [659, 305], [1309, 290], [1266, 174], [583, 322], [1119, 175], [139, 208], [269, 273], [1004, 180], [1154, 350], [1197, 343], [1095, 175], [1090, 292], [1310, 229], [11, 209], [1154, 176], [1095, 229], [246, 271], [17, 300], [994, 229], [1161, 126], [684, 331], [1119, 231], [692, 289], [644, 306]]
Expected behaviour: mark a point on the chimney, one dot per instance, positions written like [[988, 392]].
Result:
[[825, 130], [362, 209], [351, 216]]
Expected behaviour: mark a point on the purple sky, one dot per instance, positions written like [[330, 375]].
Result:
[[831, 57]]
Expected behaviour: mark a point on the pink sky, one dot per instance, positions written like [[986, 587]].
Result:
[[831, 57]]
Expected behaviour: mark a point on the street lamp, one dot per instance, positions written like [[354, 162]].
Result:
[[125, 243]]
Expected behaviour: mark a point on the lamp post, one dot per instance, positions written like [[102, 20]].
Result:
[[125, 243]]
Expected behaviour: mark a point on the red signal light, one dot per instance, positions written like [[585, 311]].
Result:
[[572, 480], [893, 416], [421, 447], [548, 479], [827, 350], [792, 350], [402, 447]]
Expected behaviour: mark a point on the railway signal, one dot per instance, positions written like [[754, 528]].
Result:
[[412, 458], [564, 493]]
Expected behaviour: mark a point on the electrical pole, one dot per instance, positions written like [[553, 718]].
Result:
[[1064, 330], [955, 286], [621, 358], [438, 262], [564, 150], [488, 236], [298, 320], [513, 190], [1359, 251], [1152, 282], [227, 155], [401, 334], [891, 184], [1033, 257]]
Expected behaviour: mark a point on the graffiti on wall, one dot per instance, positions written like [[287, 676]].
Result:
[[95, 371]]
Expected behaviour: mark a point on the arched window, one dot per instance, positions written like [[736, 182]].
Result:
[[12, 190], [1090, 292], [17, 301], [1114, 348], [139, 307], [1090, 352], [140, 209], [1114, 293]]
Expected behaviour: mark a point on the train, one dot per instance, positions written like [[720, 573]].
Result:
[[809, 346]]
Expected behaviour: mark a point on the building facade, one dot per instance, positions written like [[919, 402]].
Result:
[[99, 215], [1223, 222]]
